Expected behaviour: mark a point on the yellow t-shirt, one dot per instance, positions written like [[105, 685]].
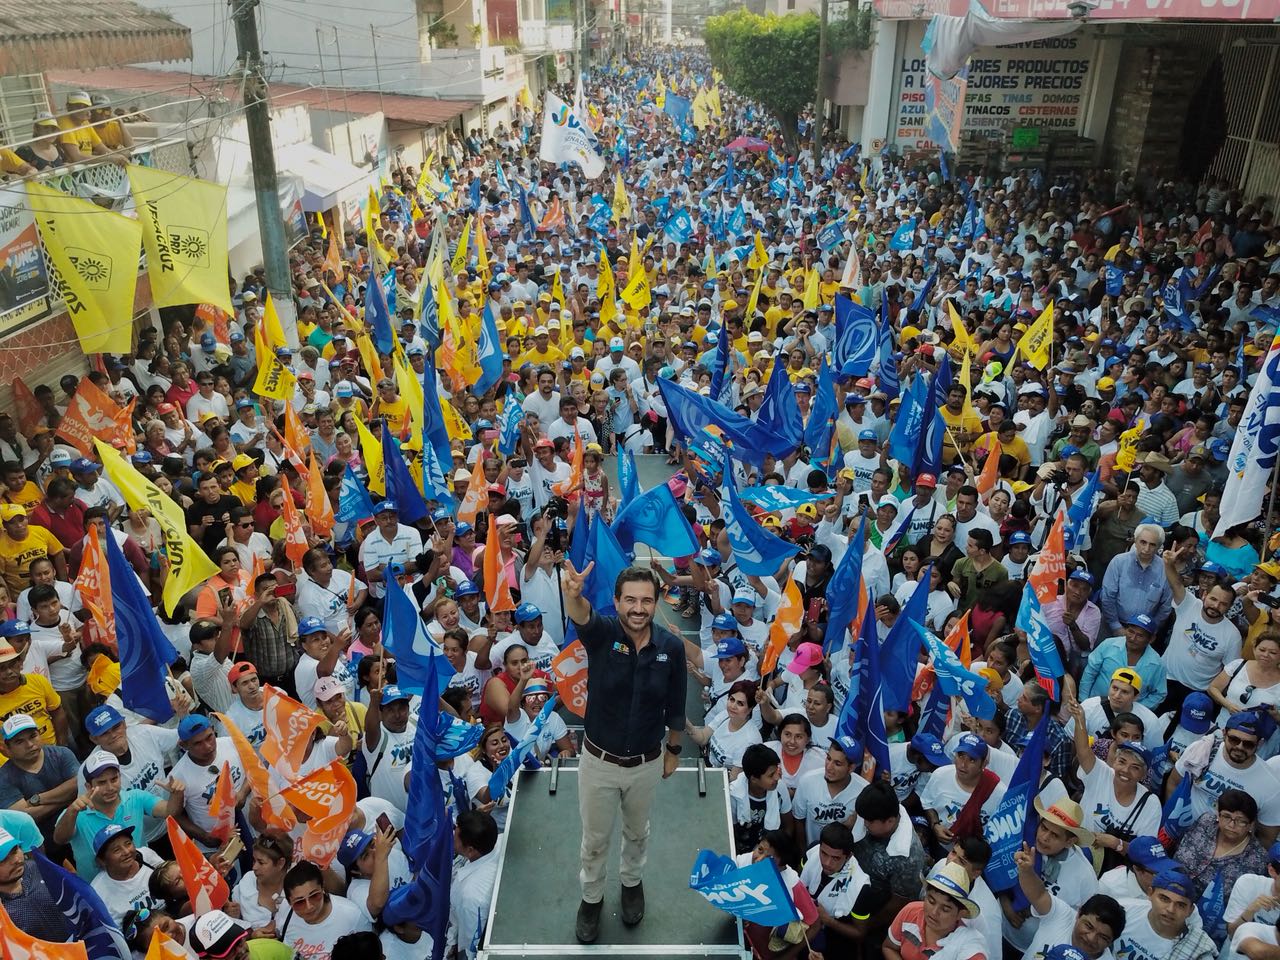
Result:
[[957, 422], [10, 162], [17, 556], [28, 496], [552, 357], [111, 134], [247, 492], [35, 697], [396, 414], [75, 135]]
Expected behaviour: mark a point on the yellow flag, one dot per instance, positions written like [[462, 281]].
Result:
[[812, 289], [566, 322], [460, 255], [636, 295], [371, 453], [1127, 454], [482, 255], [275, 380], [1035, 342], [184, 230], [701, 116], [621, 204], [962, 336], [967, 382], [713, 98], [606, 290], [272, 328], [759, 257], [188, 565], [95, 253], [411, 389], [524, 98], [324, 227], [426, 167], [375, 208], [454, 425], [755, 296]]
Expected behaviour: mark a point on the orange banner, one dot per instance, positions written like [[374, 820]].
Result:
[[216, 320], [17, 944], [295, 434], [164, 947], [90, 414], [295, 538], [275, 812], [205, 886], [30, 416], [222, 806], [958, 640], [785, 624], [1051, 564], [569, 487], [93, 583], [331, 793], [319, 509], [477, 493], [497, 590], [990, 474], [569, 669], [289, 726]]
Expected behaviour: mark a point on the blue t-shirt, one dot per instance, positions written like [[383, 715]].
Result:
[[22, 827], [134, 806]]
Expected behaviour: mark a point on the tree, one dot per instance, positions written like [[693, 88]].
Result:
[[772, 60]]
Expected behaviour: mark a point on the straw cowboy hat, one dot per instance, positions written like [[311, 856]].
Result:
[[1066, 813]]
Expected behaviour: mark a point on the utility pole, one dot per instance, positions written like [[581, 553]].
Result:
[[266, 187], [819, 100]]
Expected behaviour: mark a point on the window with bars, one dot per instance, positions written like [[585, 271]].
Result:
[[22, 96]]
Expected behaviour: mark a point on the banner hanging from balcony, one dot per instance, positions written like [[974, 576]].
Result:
[[184, 223], [95, 255], [565, 139], [24, 282]]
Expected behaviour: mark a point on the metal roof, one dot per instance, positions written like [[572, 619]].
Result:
[[90, 33]]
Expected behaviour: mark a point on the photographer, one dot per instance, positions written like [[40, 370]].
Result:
[[539, 580]]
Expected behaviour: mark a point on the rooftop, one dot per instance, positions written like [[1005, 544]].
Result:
[[40, 36]]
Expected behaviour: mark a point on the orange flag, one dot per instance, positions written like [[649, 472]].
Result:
[[93, 583], [328, 798], [990, 474], [222, 806], [496, 588], [217, 320], [567, 488], [958, 640], [288, 725], [569, 669], [319, 509], [91, 413], [332, 261], [295, 538], [274, 811], [554, 217], [477, 493], [295, 434], [17, 944], [164, 947], [785, 624], [291, 453], [864, 604], [1051, 563], [205, 886], [30, 416]]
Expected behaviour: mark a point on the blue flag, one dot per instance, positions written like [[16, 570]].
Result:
[[904, 438], [720, 368], [754, 892], [354, 502], [855, 343], [593, 542], [831, 235], [972, 220], [503, 183], [87, 916], [679, 226], [776, 497], [1081, 511], [1040, 642], [872, 702], [901, 649], [779, 414], [500, 779], [1177, 815], [654, 518], [377, 314], [599, 219], [820, 429], [757, 551], [904, 237], [933, 715], [691, 412], [955, 679], [429, 317], [922, 297], [419, 659], [527, 224], [145, 651], [474, 192], [887, 373], [434, 432], [1114, 280], [1015, 819], [843, 591], [434, 480], [490, 353], [928, 451], [509, 426], [736, 225], [399, 482], [628, 477]]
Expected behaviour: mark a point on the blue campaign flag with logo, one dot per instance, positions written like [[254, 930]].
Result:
[[527, 224], [779, 414], [822, 417], [434, 480], [905, 436], [871, 694], [758, 552], [419, 659], [1081, 511], [831, 235], [720, 368], [1040, 643], [509, 426], [399, 482], [954, 679], [593, 542], [599, 219], [754, 892], [1114, 280], [923, 296], [928, 451], [500, 779], [901, 650], [354, 502], [490, 353], [474, 193], [1212, 907], [679, 226], [934, 713], [145, 652], [972, 219], [691, 412], [778, 186], [844, 591], [503, 183], [434, 433], [730, 172], [87, 916], [887, 372], [904, 238], [377, 314], [1015, 819], [775, 497], [677, 108], [1177, 815], [855, 343], [736, 225], [428, 316], [655, 519], [628, 476]]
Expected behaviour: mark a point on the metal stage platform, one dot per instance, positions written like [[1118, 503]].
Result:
[[536, 897]]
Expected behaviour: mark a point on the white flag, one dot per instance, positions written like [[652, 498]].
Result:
[[1253, 452], [566, 140], [852, 277]]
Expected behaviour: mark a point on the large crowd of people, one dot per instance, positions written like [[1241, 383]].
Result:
[[1167, 629]]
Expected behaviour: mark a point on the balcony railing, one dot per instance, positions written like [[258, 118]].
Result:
[[106, 183], [543, 35]]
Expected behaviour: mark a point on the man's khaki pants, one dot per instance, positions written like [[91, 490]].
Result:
[[602, 789]]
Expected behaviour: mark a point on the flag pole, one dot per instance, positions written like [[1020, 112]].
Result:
[[1271, 505]]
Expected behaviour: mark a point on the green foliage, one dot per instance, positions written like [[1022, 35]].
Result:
[[854, 32], [772, 60], [443, 34]]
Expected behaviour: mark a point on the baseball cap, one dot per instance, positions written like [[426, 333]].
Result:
[[1081, 574], [1135, 747], [109, 833], [972, 745], [1129, 676], [83, 465], [1175, 881], [724, 621], [17, 723], [386, 506], [192, 725], [326, 688], [1196, 711], [391, 693], [466, 588], [867, 435], [744, 596], [1246, 722], [343, 389], [98, 761], [617, 343], [215, 935], [807, 655], [931, 748], [1019, 536], [730, 647], [709, 558], [527, 612], [1142, 622], [850, 747], [14, 628], [101, 719], [1149, 853], [239, 671], [1065, 951], [10, 510], [309, 625], [926, 480]]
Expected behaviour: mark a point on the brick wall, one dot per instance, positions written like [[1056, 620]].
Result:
[[1152, 89]]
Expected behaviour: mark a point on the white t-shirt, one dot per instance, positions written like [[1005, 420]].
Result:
[[814, 804], [327, 603], [552, 731], [315, 941], [377, 550], [1266, 932], [121, 896], [306, 673], [726, 747], [200, 782], [249, 722], [398, 874], [471, 678], [1248, 888], [1197, 648], [1139, 941], [944, 796], [1055, 927], [251, 912], [1257, 780], [396, 752], [810, 761], [1102, 812], [152, 751]]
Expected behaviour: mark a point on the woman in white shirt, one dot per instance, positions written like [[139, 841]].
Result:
[[261, 891], [730, 738]]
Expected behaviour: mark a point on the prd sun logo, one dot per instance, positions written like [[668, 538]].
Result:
[[190, 244], [94, 267]]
